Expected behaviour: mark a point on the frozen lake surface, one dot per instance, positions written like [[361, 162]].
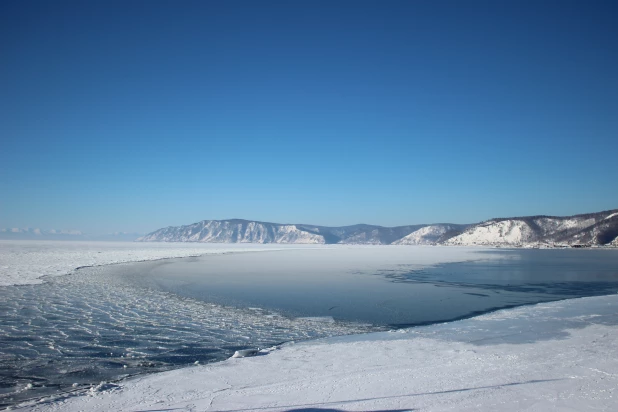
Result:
[[386, 287], [110, 322], [555, 356], [81, 329]]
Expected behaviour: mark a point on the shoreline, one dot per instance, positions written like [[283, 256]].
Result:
[[62, 257], [88, 389], [357, 337], [199, 249], [577, 314], [390, 330]]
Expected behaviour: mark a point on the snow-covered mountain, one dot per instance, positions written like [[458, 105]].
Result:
[[245, 231], [585, 230], [36, 233], [581, 230], [430, 235], [55, 234], [233, 231], [361, 234]]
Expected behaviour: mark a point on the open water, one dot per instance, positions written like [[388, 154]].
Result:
[[108, 323]]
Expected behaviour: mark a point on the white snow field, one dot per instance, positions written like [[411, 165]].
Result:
[[559, 356], [550, 356], [27, 261]]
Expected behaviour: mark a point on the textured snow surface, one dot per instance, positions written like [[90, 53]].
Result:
[[550, 356], [506, 232], [364, 238], [210, 231], [26, 261], [552, 225], [428, 235], [610, 216], [512, 232], [583, 229]]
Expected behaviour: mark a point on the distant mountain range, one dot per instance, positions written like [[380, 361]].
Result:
[[53, 234], [594, 229]]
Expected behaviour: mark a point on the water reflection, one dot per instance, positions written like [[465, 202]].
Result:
[[298, 283]]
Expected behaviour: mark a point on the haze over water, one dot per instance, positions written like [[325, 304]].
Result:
[[369, 286]]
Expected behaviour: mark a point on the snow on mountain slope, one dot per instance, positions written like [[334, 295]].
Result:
[[506, 232], [233, 231], [368, 237], [428, 235], [611, 216], [583, 230], [243, 231], [361, 233], [549, 226], [604, 232], [589, 229]]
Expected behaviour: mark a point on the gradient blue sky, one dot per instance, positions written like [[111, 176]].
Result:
[[133, 115]]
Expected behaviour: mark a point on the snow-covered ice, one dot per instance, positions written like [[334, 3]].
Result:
[[27, 261], [551, 356]]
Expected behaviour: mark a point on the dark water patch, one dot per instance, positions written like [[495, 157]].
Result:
[[104, 324], [561, 273], [76, 331], [410, 296]]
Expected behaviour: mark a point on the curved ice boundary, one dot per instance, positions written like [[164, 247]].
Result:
[[24, 262], [93, 326], [549, 356]]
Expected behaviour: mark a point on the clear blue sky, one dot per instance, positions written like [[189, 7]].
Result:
[[133, 115]]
